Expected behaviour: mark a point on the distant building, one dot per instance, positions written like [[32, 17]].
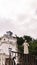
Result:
[[7, 41], [10, 41]]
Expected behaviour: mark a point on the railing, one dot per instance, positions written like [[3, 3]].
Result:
[[24, 59]]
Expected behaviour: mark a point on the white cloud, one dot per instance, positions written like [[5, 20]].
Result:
[[19, 16]]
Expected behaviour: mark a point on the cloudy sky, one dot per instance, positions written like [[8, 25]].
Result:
[[19, 16]]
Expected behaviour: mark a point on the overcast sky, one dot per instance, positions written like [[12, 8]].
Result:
[[19, 16]]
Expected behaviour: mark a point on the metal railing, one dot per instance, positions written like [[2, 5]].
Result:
[[24, 59]]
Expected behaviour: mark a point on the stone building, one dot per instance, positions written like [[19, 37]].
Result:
[[7, 41]]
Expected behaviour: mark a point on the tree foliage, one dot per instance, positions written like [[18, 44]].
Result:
[[20, 42], [28, 38], [32, 44], [33, 47]]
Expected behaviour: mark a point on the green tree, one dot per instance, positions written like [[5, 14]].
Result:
[[20, 42], [32, 44], [28, 38], [33, 47]]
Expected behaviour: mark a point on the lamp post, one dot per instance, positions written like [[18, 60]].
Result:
[[10, 56]]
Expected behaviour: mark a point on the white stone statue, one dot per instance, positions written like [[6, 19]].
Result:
[[25, 44]]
